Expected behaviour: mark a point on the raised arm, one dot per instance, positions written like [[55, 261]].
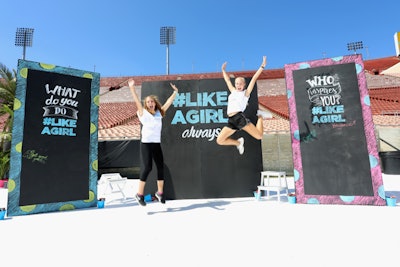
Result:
[[170, 99], [226, 78], [255, 76], [139, 105]]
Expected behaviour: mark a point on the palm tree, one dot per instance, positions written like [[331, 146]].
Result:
[[8, 84]]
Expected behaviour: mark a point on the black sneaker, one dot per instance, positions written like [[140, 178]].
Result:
[[140, 200], [160, 198]]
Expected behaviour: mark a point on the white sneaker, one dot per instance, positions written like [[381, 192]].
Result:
[[240, 147], [263, 114]]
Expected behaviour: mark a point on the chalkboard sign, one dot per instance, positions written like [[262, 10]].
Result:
[[54, 144], [196, 166], [333, 141]]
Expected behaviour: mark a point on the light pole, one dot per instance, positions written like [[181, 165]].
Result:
[[354, 46], [167, 37], [24, 37]]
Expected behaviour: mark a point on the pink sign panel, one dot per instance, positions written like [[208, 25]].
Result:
[[335, 155]]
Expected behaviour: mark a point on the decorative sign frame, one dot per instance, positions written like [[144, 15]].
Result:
[[335, 152], [54, 135]]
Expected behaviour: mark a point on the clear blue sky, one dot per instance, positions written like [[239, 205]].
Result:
[[122, 37]]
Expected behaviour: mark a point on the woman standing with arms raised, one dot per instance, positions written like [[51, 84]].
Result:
[[150, 115]]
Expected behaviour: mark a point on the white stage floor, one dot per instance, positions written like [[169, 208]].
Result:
[[206, 232]]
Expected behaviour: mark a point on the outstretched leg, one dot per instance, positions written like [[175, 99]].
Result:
[[224, 139], [257, 130]]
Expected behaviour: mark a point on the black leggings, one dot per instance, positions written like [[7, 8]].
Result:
[[149, 152]]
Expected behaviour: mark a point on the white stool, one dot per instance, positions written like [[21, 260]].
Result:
[[280, 184], [113, 183]]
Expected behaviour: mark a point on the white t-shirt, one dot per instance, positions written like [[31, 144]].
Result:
[[151, 127], [237, 101]]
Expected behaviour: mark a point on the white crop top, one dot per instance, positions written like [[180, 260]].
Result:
[[237, 101], [151, 126]]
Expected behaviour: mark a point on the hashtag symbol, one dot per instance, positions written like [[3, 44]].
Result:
[[179, 100], [315, 110], [47, 121]]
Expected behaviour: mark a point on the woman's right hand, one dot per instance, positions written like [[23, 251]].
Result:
[[174, 87]]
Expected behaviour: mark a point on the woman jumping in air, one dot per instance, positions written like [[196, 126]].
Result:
[[237, 103]]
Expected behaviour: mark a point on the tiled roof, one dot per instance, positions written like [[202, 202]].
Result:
[[393, 71], [383, 102], [114, 114], [372, 66], [384, 96], [387, 121], [388, 94], [278, 105], [276, 125], [376, 66], [127, 131], [118, 121]]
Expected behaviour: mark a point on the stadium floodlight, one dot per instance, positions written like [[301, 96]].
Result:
[[167, 37], [354, 46], [24, 37]]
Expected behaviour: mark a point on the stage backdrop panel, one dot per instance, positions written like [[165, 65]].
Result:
[[54, 139], [334, 147], [196, 166]]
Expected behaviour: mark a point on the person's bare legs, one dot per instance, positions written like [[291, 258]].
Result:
[[160, 191], [260, 125], [224, 139], [141, 188], [160, 186], [257, 131], [140, 193]]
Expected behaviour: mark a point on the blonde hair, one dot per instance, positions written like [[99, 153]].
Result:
[[158, 104], [242, 79]]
